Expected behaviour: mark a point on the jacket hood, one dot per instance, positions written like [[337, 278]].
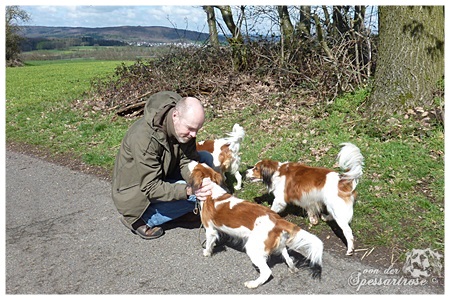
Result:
[[157, 107]]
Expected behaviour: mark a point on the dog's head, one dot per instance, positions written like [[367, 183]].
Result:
[[263, 171], [201, 171]]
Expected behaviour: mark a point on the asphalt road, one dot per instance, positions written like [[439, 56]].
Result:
[[63, 236]]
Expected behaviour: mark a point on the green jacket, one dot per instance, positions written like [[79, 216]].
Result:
[[149, 155]]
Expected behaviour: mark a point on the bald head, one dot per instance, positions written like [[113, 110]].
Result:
[[192, 106], [188, 118]]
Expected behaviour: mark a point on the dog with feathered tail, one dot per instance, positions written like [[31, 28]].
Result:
[[317, 190]]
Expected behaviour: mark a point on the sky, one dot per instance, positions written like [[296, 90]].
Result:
[[186, 14], [175, 14], [189, 17]]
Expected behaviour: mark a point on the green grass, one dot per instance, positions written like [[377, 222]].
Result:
[[39, 110], [400, 198]]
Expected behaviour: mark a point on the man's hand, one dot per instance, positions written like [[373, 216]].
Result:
[[205, 190]]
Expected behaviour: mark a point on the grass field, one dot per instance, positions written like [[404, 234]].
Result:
[[113, 53], [401, 196]]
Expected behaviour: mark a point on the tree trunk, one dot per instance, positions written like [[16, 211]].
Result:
[[236, 42], [304, 26], [410, 58], [339, 20], [287, 29], [211, 18], [358, 18]]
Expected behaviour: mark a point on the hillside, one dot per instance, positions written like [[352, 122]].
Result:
[[126, 34]]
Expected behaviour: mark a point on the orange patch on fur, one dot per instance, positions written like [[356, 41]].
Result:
[[345, 191], [273, 240], [206, 146], [225, 158], [301, 179]]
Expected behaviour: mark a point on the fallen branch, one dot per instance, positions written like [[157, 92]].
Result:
[[367, 253], [131, 108]]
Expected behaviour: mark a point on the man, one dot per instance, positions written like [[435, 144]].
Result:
[[151, 169]]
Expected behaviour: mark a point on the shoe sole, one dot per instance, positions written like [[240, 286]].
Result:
[[145, 237]]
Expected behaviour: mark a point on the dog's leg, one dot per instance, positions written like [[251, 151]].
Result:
[[342, 213], [289, 260], [255, 250], [348, 234], [326, 218], [260, 261], [211, 238], [313, 218], [278, 206], [238, 177]]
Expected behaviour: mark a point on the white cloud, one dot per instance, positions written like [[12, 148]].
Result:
[[190, 17]]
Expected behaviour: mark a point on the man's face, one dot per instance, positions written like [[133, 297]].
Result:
[[186, 125]]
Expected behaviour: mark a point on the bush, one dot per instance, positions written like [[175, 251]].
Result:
[[306, 75]]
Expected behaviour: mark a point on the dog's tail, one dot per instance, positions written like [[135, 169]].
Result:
[[236, 136], [306, 243], [351, 161]]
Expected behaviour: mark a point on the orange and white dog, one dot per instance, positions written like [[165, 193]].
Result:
[[314, 188], [263, 231], [225, 152]]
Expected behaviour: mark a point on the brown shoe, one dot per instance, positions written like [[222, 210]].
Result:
[[143, 230]]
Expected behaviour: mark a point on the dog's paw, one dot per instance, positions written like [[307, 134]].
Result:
[[326, 218], [237, 188], [251, 284], [206, 253], [314, 220], [293, 270]]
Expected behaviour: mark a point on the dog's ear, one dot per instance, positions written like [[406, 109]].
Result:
[[267, 170], [217, 178], [195, 181]]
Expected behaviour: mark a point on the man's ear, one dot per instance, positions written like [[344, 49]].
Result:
[[175, 113]]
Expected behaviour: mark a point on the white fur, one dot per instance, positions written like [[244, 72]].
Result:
[[192, 165], [232, 201], [235, 138], [310, 243], [351, 159]]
